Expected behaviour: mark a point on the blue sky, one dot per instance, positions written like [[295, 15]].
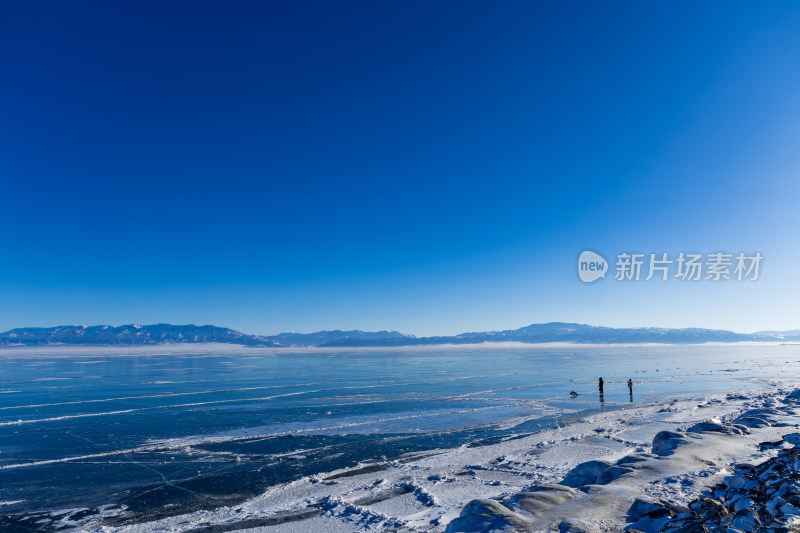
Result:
[[430, 167]]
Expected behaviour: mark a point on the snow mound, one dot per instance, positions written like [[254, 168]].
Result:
[[486, 516]]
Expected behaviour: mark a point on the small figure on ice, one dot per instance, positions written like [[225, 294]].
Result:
[[630, 385], [600, 385]]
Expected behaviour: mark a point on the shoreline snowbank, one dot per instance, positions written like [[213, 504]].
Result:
[[584, 476]]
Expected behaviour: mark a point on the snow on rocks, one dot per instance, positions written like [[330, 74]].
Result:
[[684, 461], [485, 515], [756, 498], [513, 513], [666, 442], [704, 427], [601, 472]]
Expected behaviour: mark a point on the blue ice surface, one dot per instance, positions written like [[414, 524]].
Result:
[[174, 430]]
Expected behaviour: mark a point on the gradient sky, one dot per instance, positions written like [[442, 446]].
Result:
[[429, 167]]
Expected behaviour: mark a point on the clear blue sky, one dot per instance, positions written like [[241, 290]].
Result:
[[430, 167]]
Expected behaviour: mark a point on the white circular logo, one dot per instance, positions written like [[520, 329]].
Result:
[[591, 266]]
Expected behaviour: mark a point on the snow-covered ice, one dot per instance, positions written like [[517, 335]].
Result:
[[585, 476], [447, 439]]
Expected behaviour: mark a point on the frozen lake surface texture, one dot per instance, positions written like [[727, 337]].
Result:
[[116, 437]]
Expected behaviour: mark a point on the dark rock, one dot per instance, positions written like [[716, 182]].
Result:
[[650, 508], [570, 527]]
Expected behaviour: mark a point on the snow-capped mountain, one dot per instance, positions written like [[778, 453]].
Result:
[[130, 334], [585, 334], [134, 334], [168, 333]]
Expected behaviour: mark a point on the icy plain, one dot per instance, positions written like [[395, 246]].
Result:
[[216, 438]]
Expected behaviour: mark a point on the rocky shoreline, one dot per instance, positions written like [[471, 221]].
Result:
[[764, 497]]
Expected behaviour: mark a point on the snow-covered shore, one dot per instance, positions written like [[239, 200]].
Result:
[[584, 476]]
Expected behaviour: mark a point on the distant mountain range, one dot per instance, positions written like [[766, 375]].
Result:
[[135, 334], [130, 334], [536, 333]]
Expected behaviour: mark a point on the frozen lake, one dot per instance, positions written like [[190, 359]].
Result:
[[141, 433]]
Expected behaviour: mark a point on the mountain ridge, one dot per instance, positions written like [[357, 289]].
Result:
[[154, 334]]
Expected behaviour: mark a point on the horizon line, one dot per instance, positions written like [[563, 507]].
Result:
[[141, 325]]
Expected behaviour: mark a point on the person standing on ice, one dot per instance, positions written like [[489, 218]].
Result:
[[630, 385], [600, 385]]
